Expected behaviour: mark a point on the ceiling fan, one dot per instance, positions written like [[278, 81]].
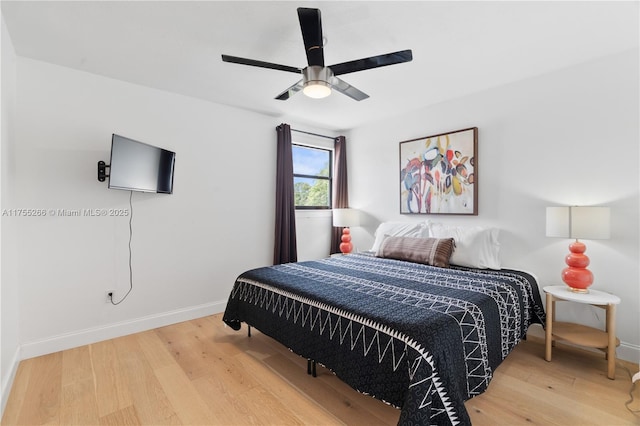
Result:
[[318, 79]]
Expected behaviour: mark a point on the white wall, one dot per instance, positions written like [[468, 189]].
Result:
[[9, 294], [566, 138], [188, 247]]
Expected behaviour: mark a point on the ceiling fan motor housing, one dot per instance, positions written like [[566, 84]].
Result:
[[317, 81]]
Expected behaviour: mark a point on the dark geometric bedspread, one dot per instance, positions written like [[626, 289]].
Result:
[[421, 338]]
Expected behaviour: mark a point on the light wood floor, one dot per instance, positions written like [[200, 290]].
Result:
[[202, 373]]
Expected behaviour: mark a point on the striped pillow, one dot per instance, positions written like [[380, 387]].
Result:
[[430, 251]]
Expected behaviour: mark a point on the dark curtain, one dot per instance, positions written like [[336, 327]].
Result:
[[340, 190], [285, 248]]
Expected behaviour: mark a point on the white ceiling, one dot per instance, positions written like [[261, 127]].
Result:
[[458, 47]]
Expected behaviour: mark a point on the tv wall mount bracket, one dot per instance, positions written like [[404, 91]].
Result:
[[102, 171]]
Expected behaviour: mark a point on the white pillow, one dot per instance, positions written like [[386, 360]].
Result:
[[476, 247], [399, 229]]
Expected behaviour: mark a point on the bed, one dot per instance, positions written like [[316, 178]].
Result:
[[422, 338]]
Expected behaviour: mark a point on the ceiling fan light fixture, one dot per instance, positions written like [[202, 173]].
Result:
[[317, 89], [315, 81]]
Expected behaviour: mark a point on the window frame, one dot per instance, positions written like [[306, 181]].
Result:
[[329, 178]]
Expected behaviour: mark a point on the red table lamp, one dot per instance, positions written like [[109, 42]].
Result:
[[578, 222], [344, 218]]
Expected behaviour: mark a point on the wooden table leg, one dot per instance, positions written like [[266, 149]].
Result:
[[548, 332], [611, 348]]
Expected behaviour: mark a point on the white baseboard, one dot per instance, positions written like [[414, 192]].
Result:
[[628, 352], [96, 334], [7, 381]]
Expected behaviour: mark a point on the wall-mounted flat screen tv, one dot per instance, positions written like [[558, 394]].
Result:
[[137, 166]]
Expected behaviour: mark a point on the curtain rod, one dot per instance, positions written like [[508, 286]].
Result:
[[313, 134]]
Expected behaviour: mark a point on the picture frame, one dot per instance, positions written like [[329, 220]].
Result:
[[439, 174]]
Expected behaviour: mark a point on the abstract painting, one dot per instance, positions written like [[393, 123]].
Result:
[[439, 175]]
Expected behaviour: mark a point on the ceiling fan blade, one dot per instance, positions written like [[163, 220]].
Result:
[[311, 26], [347, 89], [290, 91], [261, 64], [372, 62]]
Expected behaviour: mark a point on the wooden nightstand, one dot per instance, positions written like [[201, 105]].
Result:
[[582, 335]]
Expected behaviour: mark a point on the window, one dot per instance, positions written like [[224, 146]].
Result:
[[312, 175]]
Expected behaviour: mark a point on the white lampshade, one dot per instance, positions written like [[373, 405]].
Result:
[[345, 218], [590, 223], [558, 222]]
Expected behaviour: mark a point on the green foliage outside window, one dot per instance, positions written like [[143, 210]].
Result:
[[312, 177]]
